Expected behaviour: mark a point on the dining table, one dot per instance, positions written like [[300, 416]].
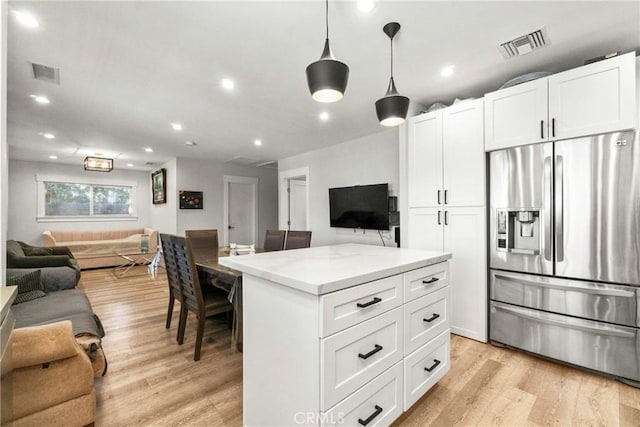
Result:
[[226, 279]]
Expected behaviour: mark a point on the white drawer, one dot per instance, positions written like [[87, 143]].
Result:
[[378, 402], [425, 280], [342, 309], [353, 357], [417, 378], [425, 318]]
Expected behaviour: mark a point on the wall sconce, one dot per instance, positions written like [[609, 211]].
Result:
[[98, 164]]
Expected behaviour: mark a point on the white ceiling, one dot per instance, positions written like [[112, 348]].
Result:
[[129, 69]]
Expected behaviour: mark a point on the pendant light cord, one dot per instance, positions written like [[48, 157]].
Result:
[[326, 14], [391, 56]]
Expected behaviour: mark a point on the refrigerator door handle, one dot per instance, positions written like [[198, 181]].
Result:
[[586, 288], [559, 210], [547, 210]]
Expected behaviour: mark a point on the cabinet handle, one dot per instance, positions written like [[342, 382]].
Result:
[[553, 127], [432, 367], [432, 280], [371, 353], [438, 196], [446, 217], [439, 219], [367, 304], [445, 196], [541, 129], [371, 417], [432, 318]]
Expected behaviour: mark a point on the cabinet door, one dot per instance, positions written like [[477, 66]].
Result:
[[463, 154], [516, 115], [465, 238], [426, 229], [596, 98], [424, 160]]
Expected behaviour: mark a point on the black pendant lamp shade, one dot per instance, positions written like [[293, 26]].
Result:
[[392, 109], [327, 78]]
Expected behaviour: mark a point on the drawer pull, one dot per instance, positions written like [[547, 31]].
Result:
[[371, 353], [436, 362], [367, 304], [432, 318], [432, 280], [371, 417]]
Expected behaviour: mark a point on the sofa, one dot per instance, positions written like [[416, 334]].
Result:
[[93, 249], [59, 300], [57, 262], [52, 378]]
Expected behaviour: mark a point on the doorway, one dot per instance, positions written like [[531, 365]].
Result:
[[240, 216], [294, 199]]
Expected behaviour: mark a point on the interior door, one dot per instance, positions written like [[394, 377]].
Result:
[[297, 204], [597, 214], [241, 213]]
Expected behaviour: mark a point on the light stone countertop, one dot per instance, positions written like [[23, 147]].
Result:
[[323, 269]]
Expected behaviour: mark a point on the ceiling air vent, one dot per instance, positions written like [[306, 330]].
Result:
[[525, 44], [45, 73], [150, 164]]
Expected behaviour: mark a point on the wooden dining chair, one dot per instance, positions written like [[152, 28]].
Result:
[[297, 240], [274, 240], [204, 243], [175, 292], [203, 302]]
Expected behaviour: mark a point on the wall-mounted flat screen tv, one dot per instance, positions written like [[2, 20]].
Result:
[[361, 206]]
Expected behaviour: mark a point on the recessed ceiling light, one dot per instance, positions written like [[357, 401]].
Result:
[[40, 99], [257, 142], [47, 135], [148, 150], [366, 5], [447, 71], [26, 19], [324, 116], [176, 126], [228, 84], [191, 143], [130, 165], [52, 157]]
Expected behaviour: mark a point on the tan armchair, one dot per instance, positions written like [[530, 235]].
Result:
[[52, 378]]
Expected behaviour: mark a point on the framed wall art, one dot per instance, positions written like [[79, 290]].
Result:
[[159, 186], [190, 199]]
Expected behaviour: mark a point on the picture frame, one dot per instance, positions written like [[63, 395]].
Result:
[[159, 186], [190, 199]]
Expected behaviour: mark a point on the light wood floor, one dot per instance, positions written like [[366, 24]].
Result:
[[153, 381]]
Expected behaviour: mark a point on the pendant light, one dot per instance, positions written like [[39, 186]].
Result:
[[392, 108], [327, 78]]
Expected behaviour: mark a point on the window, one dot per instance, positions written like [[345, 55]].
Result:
[[60, 200]]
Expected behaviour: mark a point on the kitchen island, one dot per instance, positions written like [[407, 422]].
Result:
[[346, 334]]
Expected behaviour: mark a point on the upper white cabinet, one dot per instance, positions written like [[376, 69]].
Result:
[[445, 157], [596, 98], [516, 115], [592, 99]]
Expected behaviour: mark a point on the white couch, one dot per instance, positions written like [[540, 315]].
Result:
[[97, 248]]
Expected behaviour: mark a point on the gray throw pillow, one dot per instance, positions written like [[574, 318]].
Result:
[[37, 251], [28, 296]]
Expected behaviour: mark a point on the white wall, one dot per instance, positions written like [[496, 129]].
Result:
[[4, 182], [22, 224], [207, 176], [368, 160], [163, 217]]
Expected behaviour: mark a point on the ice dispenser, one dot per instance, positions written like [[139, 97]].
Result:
[[519, 231]]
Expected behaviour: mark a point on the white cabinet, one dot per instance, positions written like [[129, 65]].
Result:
[[461, 231], [442, 150], [516, 115], [592, 99]]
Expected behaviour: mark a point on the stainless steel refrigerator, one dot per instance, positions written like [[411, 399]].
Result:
[[565, 251]]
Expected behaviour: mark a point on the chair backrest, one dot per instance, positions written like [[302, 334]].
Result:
[[170, 265], [297, 240], [274, 240], [204, 243], [187, 273]]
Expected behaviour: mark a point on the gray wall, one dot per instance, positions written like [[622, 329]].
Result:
[[163, 217], [369, 160], [22, 224], [208, 176], [4, 185]]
